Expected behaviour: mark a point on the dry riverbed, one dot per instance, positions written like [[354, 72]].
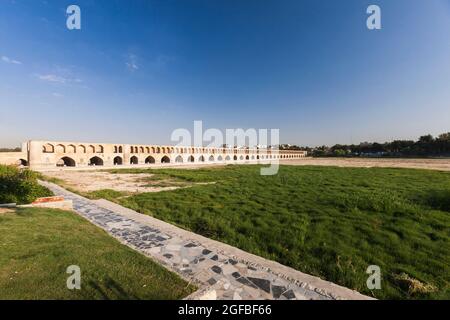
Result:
[[430, 164], [88, 181]]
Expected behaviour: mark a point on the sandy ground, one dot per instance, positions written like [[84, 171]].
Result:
[[6, 210], [431, 164], [87, 181]]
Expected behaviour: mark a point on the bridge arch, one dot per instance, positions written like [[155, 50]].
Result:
[[22, 162], [71, 149], [165, 159], [60, 148], [191, 159], [95, 161], [179, 159], [201, 159], [149, 159], [65, 162], [48, 148], [118, 160], [134, 160], [211, 158]]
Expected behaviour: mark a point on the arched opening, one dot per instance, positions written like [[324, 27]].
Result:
[[149, 159], [71, 148], [134, 160], [235, 158], [219, 158], [99, 149], [82, 148], [257, 157], [241, 158], [247, 158], [65, 162], [91, 149], [22, 162], [118, 161], [165, 159], [227, 158], [48, 148], [60, 149], [211, 158], [201, 159], [120, 149], [191, 159], [179, 159], [95, 161]]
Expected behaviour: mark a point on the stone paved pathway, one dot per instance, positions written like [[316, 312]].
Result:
[[217, 273]]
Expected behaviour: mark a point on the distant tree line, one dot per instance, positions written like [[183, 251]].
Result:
[[425, 146], [10, 149]]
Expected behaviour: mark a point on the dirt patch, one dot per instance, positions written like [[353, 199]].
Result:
[[431, 164], [4, 211], [413, 286], [88, 181]]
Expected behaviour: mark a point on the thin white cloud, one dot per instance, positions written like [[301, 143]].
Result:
[[57, 95], [51, 77], [131, 62], [9, 60]]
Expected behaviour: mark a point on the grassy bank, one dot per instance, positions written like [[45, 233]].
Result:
[[326, 221], [37, 246]]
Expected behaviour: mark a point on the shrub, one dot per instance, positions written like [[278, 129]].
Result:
[[20, 186]]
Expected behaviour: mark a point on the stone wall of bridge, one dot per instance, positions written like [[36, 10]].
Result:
[[51, 154]]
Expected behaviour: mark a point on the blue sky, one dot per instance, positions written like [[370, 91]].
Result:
[[137, 70]]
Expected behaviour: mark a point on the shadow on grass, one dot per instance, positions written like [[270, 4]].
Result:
[[111, 290], [438, 200]]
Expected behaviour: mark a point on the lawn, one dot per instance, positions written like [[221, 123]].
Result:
[[37, 246], [327, 221]]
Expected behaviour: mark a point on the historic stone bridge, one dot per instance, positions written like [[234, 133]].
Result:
[[49, 154]]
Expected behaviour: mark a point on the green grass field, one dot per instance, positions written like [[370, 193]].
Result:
[[37, 246], [326, 221]]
